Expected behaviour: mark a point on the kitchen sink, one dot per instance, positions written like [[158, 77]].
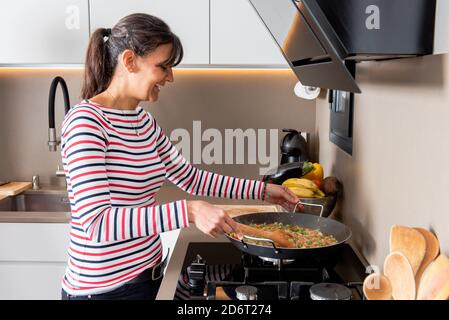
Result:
[[37, 201]]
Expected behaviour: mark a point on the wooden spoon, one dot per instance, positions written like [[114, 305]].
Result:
[[434, 283], [279, 237], [410, 242], [432, 251], [398, 270], [377, 287]]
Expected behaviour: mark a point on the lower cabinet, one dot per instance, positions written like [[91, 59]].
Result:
[[27, 280], [33, 258]]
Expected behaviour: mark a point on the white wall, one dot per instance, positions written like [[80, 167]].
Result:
[[398, 173], [221, 99]]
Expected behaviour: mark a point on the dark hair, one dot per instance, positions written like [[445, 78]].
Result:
[[140, 32]]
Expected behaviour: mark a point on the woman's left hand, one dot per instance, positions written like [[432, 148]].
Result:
[[282, 196]]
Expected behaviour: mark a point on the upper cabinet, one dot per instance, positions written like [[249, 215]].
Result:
[[213, 32], [189, 20], [239, 37], [44, 31]]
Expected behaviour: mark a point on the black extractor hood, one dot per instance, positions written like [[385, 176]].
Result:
[[323, 39]]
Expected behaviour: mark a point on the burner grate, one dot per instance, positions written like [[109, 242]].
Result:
[[274, 279]]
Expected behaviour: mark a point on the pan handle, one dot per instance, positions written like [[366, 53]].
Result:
[[260, 239], [311, 204]]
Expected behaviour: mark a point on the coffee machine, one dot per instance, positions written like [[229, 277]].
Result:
[[293, 156], [293, 147]]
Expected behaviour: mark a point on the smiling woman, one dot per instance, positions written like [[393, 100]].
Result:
[[139, 41], [116, 158]]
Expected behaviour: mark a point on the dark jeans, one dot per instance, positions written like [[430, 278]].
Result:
[[145, 290]]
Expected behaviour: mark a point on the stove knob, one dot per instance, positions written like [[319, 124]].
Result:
[[330, 291], [246, 293], [196, 273]]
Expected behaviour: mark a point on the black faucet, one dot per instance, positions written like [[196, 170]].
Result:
[[52, 140]]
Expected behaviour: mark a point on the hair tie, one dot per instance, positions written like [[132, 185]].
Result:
[[107, 34]]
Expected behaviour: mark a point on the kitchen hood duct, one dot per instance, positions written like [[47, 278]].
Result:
[[323, 39]]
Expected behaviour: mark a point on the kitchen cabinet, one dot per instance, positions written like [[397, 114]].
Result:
[[187, 19], [43, 32], [215, 32], [33, 258], [239, 37]]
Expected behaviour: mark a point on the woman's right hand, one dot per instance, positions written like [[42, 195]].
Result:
[[210, 219]]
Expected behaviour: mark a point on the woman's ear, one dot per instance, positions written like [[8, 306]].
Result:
[[129, 60]]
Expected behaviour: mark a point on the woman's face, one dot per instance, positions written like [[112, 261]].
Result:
[[150, 75]]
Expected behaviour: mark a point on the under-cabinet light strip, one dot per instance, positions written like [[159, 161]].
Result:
[[180, 67]]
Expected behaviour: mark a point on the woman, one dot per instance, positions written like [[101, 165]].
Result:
[[116, 158]]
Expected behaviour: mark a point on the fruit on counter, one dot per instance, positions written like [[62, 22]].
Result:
[[303, 188], [316, 173], [303, 192], [299, 182], [285, 171], [306, 168], [331, 186], [318, 183]]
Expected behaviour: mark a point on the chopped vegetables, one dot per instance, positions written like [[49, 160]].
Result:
[[301, 237]]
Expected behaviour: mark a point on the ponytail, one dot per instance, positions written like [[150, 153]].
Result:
[[139, 32], [97, 73]]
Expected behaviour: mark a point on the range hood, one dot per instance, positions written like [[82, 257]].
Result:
[[323, 39]]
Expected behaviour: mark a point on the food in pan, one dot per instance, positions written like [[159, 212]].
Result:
[[300, 237]]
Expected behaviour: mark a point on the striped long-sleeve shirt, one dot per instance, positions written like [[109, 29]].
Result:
[[115, 161]]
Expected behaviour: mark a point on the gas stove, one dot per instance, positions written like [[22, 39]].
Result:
[[220, 271]]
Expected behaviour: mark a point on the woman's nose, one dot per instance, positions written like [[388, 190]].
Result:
[[170, 75]]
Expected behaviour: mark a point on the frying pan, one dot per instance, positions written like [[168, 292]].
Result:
[[322, 255]]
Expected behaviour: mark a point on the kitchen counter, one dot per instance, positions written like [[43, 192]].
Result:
[[34, 217], [59, 193]]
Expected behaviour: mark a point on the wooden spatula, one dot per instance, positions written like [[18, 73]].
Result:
[[432, 251], [410, 242], [377, 287], [434, 283], [279, 237], [400, 273]]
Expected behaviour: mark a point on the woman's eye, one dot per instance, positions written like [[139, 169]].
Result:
[[163, 68]]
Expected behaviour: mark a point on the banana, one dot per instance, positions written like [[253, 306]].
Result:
[[300, 183], [303, 188], [302, 192], [319, 193]]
